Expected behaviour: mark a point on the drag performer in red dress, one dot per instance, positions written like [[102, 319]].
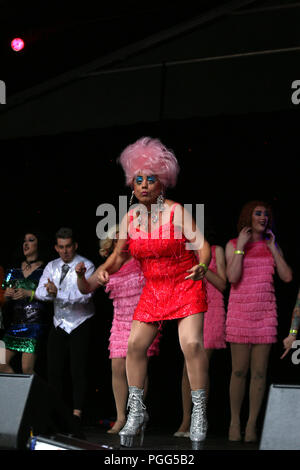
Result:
[[174, 257]]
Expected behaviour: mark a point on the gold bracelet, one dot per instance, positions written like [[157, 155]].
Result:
[[294, 332], [239, 252], [32, 296], [203, 266]]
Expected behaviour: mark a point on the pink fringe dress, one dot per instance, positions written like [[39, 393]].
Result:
[[252, 310], [124, 288], [214, 318]]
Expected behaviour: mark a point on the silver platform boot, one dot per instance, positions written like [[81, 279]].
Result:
[[198, 419], [136, 419]]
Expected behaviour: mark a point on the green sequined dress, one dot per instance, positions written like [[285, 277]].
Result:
[[27, 320]]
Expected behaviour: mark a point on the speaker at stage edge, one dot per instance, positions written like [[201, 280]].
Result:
[[61, 442], [281, 428], [29, 406]]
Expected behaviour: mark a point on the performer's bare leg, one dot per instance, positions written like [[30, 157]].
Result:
[[190, 331], [240, 356], [28, 362], [259, 365], [141, 337]]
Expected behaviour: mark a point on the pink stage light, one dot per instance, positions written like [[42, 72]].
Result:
[[17, 44]]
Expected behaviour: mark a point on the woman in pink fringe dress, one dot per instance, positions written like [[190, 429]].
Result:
[[124, 288], [251, 323]]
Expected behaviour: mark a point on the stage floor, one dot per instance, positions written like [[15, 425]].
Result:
[[162, 439]]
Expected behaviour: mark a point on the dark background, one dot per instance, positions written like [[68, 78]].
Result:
[[224, 163], [247, 148]]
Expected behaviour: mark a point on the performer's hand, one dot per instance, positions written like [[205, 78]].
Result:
[[197, 273], [270, 239], [51, 288], [243, 238], [80, 269], [288, 343], [102, 277], [9, 292], [21, 294]]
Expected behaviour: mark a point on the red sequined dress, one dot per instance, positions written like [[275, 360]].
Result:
[[164, 260]]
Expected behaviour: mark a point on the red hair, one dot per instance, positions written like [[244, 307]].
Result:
[[245, 218]]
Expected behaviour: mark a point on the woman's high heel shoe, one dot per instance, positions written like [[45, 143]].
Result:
[[117, 427], [136, 419], [250, 434], [234, 434], [198, 428], [181, 434]]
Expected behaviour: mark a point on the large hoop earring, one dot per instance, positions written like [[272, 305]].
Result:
[[160, 202], [131, 199]]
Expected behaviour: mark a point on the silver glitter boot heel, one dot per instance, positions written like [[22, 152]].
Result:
[[198, 419], [136, 419]]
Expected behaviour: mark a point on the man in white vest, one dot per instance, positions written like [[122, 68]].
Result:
[[73, 311]]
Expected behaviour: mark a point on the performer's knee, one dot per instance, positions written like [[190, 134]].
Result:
[[136, 348], [192, 349]]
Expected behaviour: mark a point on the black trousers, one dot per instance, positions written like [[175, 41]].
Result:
[[74, 347]]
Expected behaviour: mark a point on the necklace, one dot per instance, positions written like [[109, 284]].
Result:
[[29, 263], [155, 210], [143, 212]]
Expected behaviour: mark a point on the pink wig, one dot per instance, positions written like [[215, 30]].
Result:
[[151, 157]]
